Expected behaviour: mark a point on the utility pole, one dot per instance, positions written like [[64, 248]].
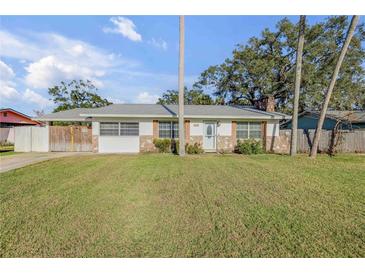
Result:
[[345, 46], [181, 88], [298, 74]]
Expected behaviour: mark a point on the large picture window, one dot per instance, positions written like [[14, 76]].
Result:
[[168, 130], [248, 130], [119, 129]]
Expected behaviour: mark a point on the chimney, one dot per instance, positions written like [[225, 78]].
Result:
[[269, 103]]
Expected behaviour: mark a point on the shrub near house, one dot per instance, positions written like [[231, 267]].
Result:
[[250, 146], [163, 145], [172, 145]]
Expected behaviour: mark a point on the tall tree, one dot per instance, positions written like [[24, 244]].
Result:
[[322, 116], [298, 74], [266, 66], [181, 87], [191, 97], [76, 94]]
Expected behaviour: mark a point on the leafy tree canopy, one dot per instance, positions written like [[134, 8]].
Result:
[[192, 97], [76, 94], [266, 66]]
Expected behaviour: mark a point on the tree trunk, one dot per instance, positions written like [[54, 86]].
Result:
[[298, 74], [181, 88], [345, 46]]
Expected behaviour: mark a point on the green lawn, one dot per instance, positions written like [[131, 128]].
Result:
[[157, 205]]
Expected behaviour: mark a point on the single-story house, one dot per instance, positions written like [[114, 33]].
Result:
[[349, 120], [131, 128]]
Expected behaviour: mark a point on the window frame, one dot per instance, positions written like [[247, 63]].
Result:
[[109, 135], [249, 130], [173, 130], [126, 129], [136, 134]]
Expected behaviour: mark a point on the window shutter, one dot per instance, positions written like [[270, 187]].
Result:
[[187, 131], [234, 132], [263, 134], [155, 129]]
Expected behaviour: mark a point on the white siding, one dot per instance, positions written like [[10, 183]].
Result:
[[196, 127], [119, 144], [95, 128], [272, 128], [224, 128], [145, 127]]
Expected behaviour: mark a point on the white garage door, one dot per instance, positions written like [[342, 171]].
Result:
[[121, 144], [120, 137]]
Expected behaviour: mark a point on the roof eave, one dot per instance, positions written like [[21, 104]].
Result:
[[263, 117], [62, 119]]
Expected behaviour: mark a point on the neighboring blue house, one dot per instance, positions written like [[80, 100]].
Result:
[[349, 120]]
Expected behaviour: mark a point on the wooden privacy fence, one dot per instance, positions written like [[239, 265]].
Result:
[[70, 138], [348, 141]]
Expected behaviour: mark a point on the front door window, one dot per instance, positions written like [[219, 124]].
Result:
[[209, 136]]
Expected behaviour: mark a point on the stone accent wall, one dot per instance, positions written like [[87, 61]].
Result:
[[146, 143], [278, 144], [196, 139], [224, 144], [95, 143]]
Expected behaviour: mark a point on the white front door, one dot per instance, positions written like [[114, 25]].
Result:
[[209, 138]]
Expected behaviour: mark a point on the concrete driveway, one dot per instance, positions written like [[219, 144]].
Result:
[[23, 159]]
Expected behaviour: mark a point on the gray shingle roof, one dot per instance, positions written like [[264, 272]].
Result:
[[155, 110], [353, 116], [66, 115]]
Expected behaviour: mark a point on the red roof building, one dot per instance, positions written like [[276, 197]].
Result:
[[12, 118]]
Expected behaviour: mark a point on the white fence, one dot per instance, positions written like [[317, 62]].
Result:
[[7, 134], [31, 138]]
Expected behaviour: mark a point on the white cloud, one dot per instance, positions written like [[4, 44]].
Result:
[[36, 98], [50, 58], [6, 72], [115, 100], [8, 92], [158, 43], [125, 27], [78, 49], [51, 70], [17, 47], [146, 98], [7, 86]]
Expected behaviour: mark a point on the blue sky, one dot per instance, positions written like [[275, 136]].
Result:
[[131, 59]]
